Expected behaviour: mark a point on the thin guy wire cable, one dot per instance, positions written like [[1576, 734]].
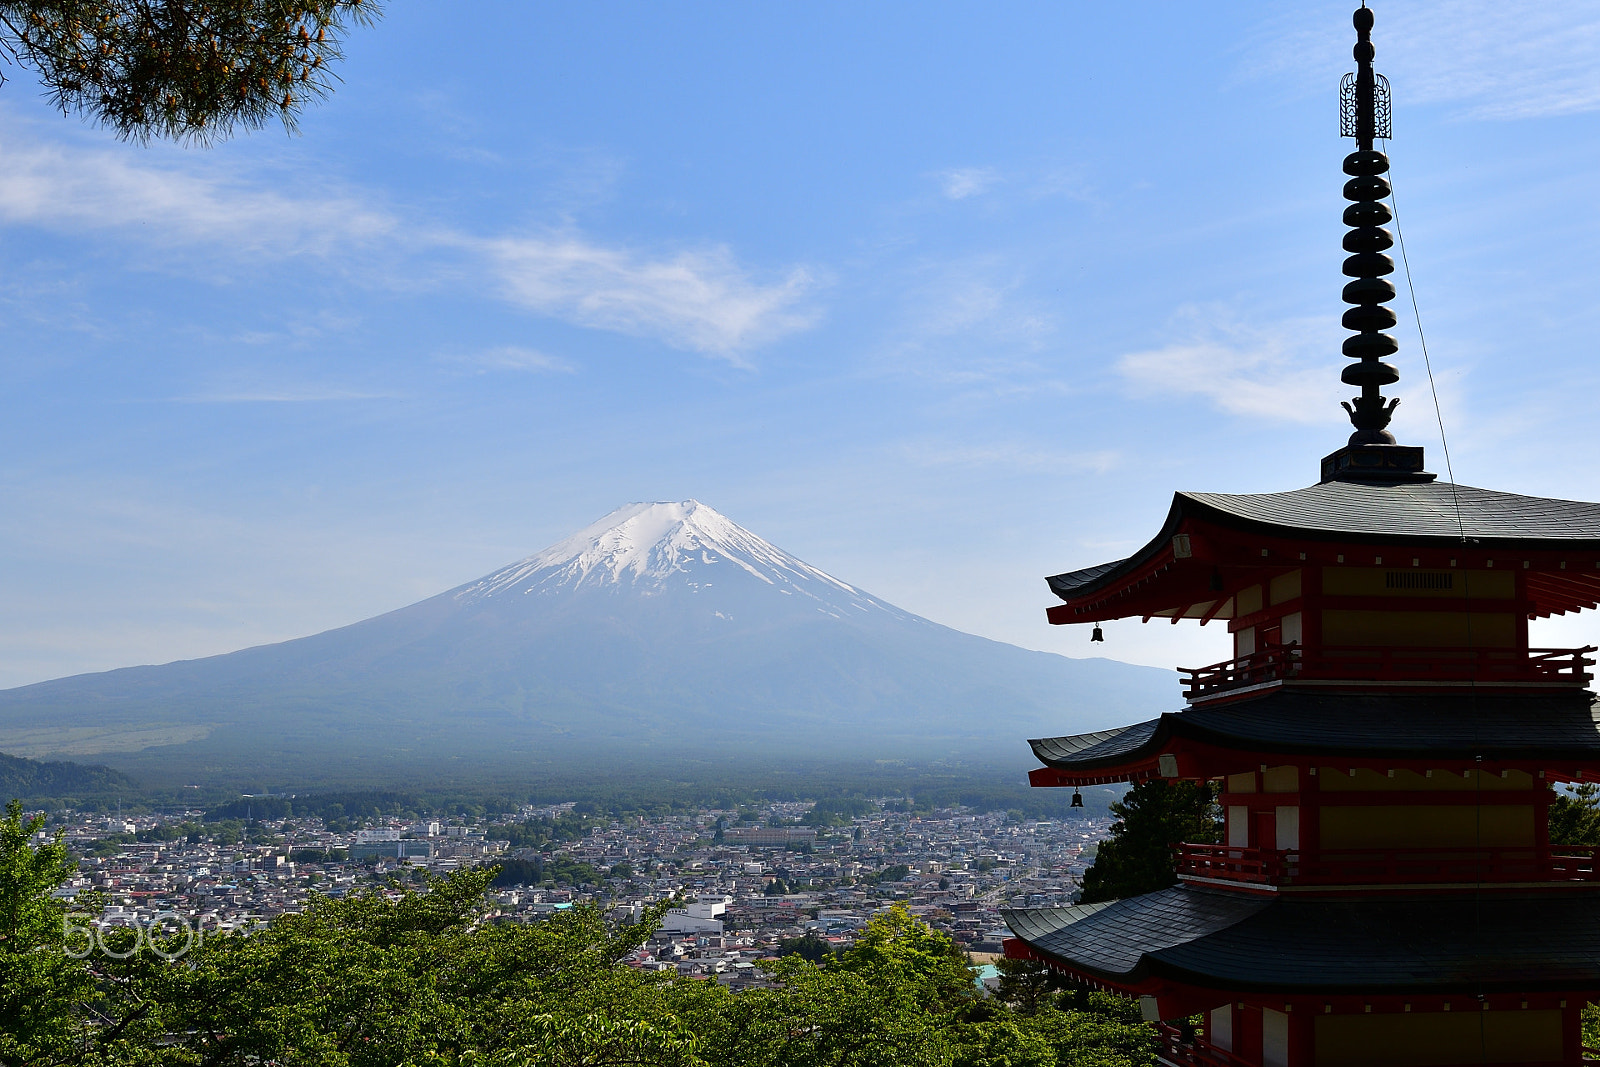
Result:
[[1472, 676], [1427, 362]]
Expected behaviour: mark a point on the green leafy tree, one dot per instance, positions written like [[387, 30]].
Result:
[[1151, 818], [41, 987], [1105, 1032], [1027, 985], [1575, 817], [189, 70], [413, 974], [999, 1040], [898, 948], [813, 947], [882, 1007], [409, 976]]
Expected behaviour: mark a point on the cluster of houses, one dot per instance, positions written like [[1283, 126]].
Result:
[[747, 884]]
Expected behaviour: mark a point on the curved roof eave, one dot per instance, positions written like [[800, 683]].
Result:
[[1415, 513], [1553, 726], [1211, 938], [1073, 584]]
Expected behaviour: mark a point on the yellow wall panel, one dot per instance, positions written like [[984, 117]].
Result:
[[1375, 581], [1281, 780], [1426, 1039], [1419, 629], [1427, 826], [1366, 780]]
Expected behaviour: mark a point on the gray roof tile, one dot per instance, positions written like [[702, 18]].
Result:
[[1410, 513], [1410, 510], [1493, 942], [1554, 726]]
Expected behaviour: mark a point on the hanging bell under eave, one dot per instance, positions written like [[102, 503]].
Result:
[[1098, 635], [1077, 799]]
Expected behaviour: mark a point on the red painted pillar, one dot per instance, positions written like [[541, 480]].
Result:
[[1302, 1036], [1572, 1032]]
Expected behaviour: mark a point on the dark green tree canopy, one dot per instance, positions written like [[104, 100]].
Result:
[[188, 70], [1152, 817], [1575, 816]]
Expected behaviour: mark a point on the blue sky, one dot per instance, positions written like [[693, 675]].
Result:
[[942, 298]]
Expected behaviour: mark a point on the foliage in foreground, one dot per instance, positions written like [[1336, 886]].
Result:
[[181, 69], [1153, 816], [404, 977], [1575, 816]]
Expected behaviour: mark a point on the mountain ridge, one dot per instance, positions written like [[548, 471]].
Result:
[[661, 628]]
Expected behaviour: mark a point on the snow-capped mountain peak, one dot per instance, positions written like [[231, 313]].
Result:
[[646, 546]]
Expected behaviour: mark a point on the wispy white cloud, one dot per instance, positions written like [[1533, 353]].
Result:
[[1495, 60], [980, 297], [515, 357], [1501, 60], [1279, 371], [971, 323], [701, 300], [963, 182], [57, 187]]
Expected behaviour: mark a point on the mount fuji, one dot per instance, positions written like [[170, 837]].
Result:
[[661, 631]]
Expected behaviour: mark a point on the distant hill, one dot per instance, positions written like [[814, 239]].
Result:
[[26, 779], [662, 632]]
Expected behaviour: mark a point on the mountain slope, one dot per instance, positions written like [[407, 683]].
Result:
[[662, 629]]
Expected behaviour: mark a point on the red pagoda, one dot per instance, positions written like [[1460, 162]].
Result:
[[1386, 742]]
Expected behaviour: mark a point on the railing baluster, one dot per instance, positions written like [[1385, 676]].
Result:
[[1394, 866], [1377, 664]]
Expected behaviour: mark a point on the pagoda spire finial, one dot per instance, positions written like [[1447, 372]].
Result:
[[1367, 240], [1364, 113]]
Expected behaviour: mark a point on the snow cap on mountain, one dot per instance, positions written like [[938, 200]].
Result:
[[644, 546]]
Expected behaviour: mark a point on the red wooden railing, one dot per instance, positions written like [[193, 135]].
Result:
[[1380, 664], [1185, 1049], [1268, 665], [1262, 866]]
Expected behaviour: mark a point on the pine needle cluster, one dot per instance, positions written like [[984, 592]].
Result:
[[191, 71]]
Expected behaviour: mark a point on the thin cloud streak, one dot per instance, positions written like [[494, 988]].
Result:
[[516, 358], [700, 300], [1278, 372], [86, 190], [1505, 61], [1495, 60], [964, 182]]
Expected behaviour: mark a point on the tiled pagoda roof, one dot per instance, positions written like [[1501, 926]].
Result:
[[1488, 942], [1552, 726], [1413, 513]]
